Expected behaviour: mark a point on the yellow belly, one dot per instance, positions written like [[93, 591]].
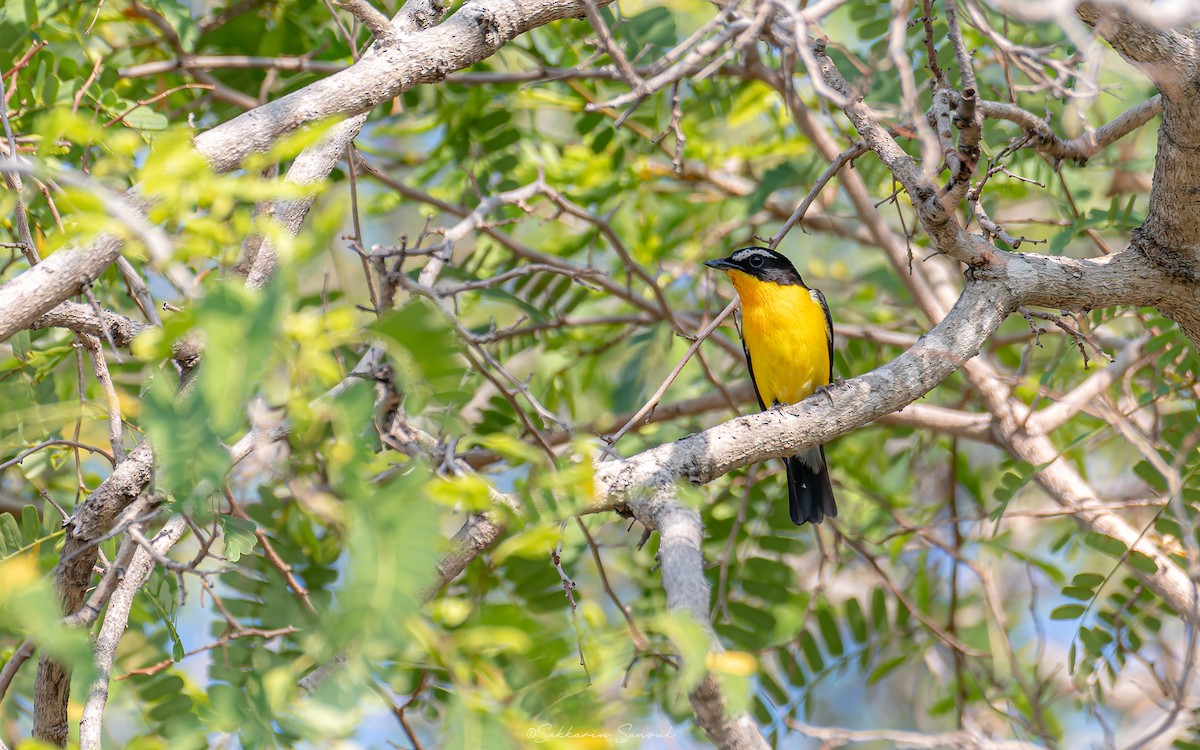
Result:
[[784, 330]]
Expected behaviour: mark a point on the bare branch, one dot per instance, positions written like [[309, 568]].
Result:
[[679, 553], [609, 45], [115, 621], [418, 15], [1085, 146], [964, 739], [91, 521], [14, 664], [942, 226], [309, 169], [371, 18], [112, 402], [1054, 416], [690, 63]]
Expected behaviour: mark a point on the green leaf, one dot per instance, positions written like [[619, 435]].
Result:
[[191, 459], [653, 28], [856, 619], [239, 536], [21, 342], [10, 534], [503, 139], [31, 523], [881, 671], [143, 118], [812, 654], [1067, 612], [879, 613], [943, 706], [1151, 476], [829, 630], [494, 119], [1059, 242], [177, 705], [1087, 580], [1143, 563], [424, 344], [160, 686], [601, 140], [1105, 544], [690, 641]]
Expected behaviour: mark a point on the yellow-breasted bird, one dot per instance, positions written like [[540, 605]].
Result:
[[787, 334]]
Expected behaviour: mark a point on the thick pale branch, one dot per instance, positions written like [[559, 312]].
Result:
[[1170, 57], [1167, 56], [1083, 147], [1126, 278], [370, 17], [116, 619], [418, 15], [679, 553], [310, 168], [960, 740], [82, 319], [38, 290]]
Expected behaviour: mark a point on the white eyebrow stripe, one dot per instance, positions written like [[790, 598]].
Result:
[[742, 255]]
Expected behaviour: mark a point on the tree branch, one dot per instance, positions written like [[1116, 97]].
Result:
[[1083, 147], [309, 169], [1167, 56], [476, 31], [963, 739], [371, 18], [82, 319], [679, 552], [91, 521], [116, 619]]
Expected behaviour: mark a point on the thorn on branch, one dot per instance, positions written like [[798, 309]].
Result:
[[646, 538]]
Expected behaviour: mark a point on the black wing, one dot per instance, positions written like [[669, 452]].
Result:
[[816, 293], [753, 382]]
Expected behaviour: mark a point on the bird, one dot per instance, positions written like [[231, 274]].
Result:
[[787, 336]]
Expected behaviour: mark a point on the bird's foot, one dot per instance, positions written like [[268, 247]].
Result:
[[827, 390]]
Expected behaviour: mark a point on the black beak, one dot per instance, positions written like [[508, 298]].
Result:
[[720, 264]]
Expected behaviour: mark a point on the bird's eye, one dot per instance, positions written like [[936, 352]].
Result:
[[756, 261]]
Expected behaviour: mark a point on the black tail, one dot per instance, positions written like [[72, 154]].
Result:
[[810, 494]]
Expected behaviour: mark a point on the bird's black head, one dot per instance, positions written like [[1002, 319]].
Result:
[[761, 263]]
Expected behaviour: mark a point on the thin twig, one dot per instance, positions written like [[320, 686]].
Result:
[[662, 389]]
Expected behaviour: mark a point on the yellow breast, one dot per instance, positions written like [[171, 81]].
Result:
[[784, 329]]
